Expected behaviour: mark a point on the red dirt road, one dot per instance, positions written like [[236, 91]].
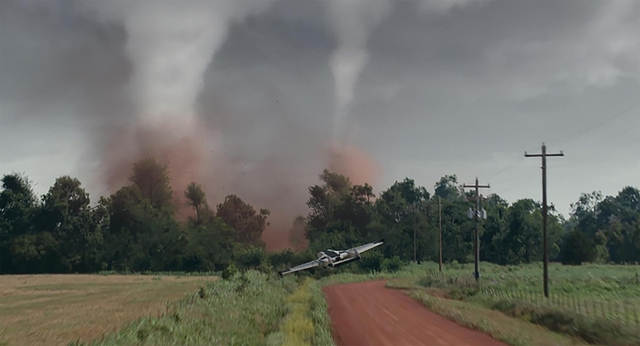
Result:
[[369, 314]]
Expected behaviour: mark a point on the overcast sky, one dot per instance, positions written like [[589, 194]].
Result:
[[447, 87]]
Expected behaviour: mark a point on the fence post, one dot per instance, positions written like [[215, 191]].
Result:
[[635, 312], [626, 310]]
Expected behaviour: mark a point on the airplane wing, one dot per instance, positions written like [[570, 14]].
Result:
[[369, 246], [338, 263], [304, 266]]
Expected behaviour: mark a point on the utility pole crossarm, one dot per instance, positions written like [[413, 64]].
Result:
[[540, 155], [479, 186]]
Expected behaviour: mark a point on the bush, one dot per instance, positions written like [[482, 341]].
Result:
[[229, 272], [371, 262], [251, 258], [432, 281], [462, 292], [393, 264], [281, 259]]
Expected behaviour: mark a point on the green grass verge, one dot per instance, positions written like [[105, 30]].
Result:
[[244, 310], [320, 316], [306, 321], [592, 329], [501, 327]]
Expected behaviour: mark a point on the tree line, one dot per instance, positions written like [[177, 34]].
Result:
[[599, 229], [137, 228]]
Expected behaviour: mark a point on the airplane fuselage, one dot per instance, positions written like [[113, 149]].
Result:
[[330, 257]]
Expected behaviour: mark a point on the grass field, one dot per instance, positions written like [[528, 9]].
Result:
[[606, 291], [58, 309]]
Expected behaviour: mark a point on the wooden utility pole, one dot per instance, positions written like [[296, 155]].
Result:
[[440, 226], [477, 241], [545, 255], [414, 234]]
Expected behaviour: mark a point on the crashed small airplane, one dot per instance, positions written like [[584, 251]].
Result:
[[333, 258]]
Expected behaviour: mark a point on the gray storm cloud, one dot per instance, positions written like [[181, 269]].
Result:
[[442, 6]]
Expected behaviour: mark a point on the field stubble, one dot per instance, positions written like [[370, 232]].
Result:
[[58, 309]]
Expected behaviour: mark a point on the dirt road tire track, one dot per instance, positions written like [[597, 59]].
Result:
[[369, 314]]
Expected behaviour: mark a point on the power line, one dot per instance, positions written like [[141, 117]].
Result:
[[507, 167], [577, 134]]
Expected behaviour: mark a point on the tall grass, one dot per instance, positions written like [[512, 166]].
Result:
[[474, 316], [320, 316], [610, 292], [244, 310], [597, 303]]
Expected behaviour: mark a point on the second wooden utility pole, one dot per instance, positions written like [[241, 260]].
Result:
[[440, 226], [477, 242], [545, 255], [415, 258]]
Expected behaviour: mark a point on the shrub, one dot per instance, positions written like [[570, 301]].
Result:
[[393, 264], [432, 281], [251, 258], [462, 292], [371, 261], [230, 271], [281, 259]]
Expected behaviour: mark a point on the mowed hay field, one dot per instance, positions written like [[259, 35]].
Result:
[[58, 309]]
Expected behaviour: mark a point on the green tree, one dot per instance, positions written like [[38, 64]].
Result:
[[66, 214], [448, 188], [18, 205], [140, 236], [209, 245], [402, 209], [248, 224], [577, 249], [196, 198], [152, 178], [494, 229]]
